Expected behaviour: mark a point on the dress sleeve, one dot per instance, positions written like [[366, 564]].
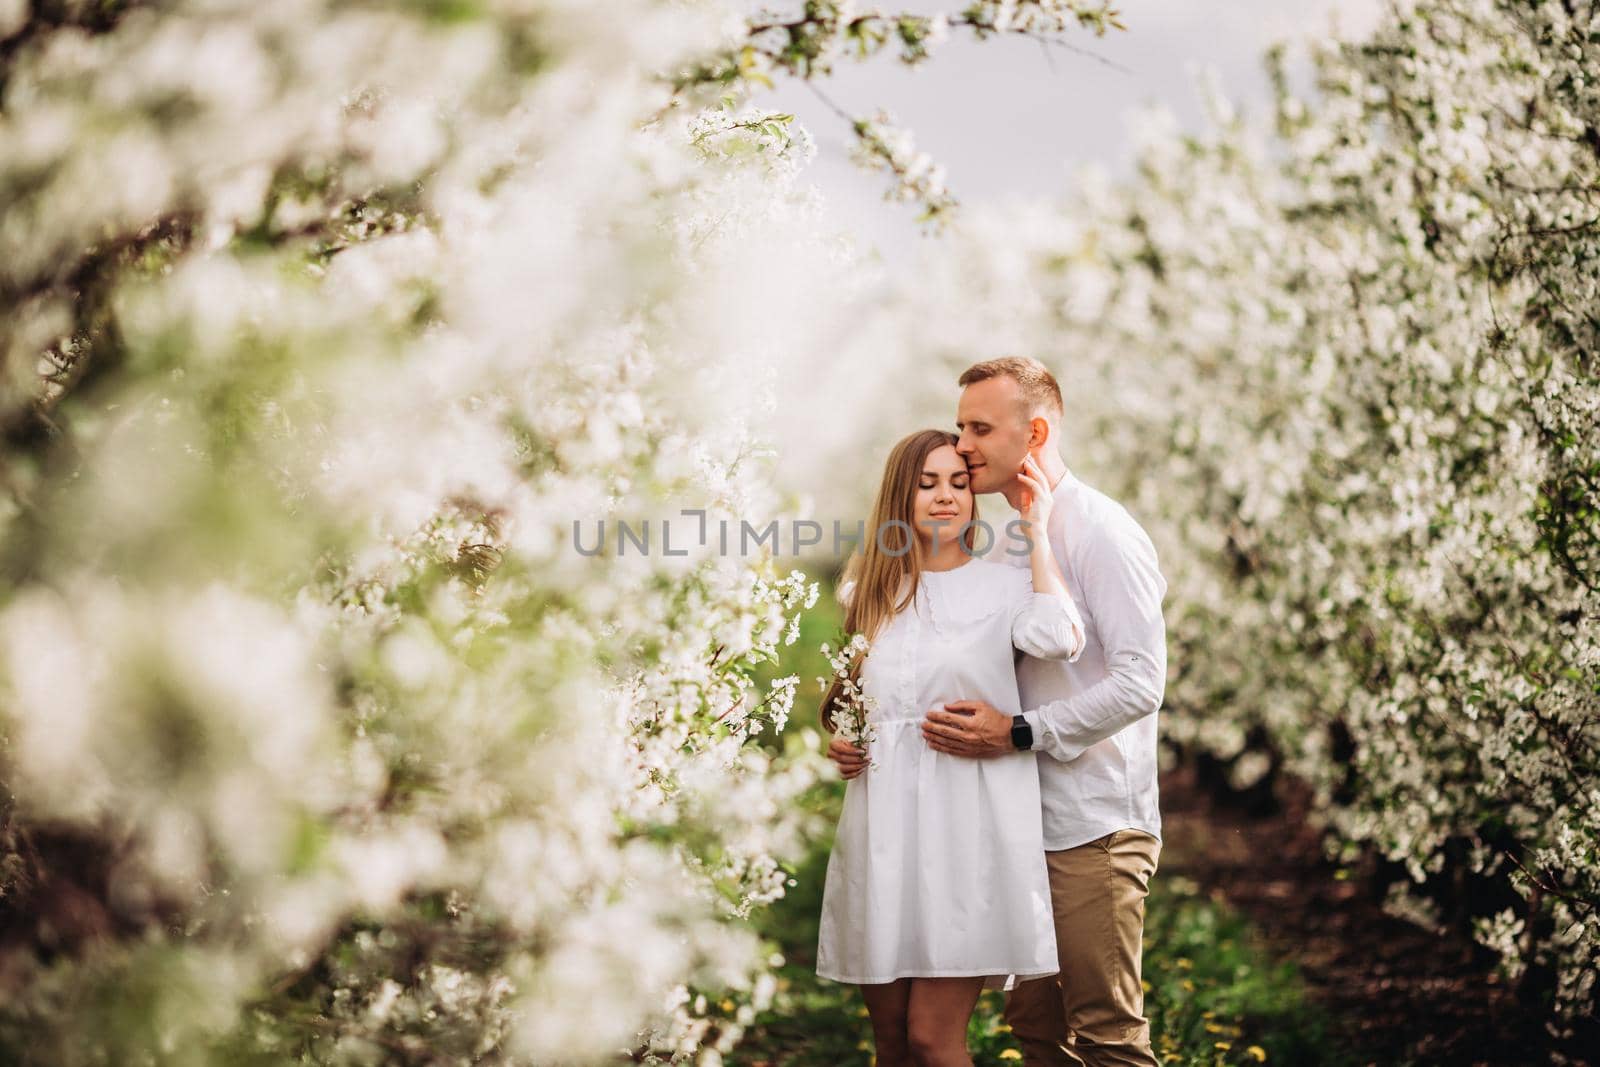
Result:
[[1046, 625]]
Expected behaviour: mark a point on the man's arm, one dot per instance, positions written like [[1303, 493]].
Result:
[[1122, 588]]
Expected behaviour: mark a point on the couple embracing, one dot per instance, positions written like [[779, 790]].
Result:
[[1000, 828]]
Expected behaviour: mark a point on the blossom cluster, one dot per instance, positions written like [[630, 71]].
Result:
[[917, 178], [852, 709]]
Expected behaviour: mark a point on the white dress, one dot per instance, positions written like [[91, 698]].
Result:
[[938, 863]]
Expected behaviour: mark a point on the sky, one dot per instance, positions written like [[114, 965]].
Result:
[[1011, 117]]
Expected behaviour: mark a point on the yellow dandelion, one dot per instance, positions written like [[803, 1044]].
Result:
[[1011, 1054], [1224, 1045], [1258, 1052]]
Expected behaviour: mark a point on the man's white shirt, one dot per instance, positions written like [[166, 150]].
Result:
[[1094, 719]]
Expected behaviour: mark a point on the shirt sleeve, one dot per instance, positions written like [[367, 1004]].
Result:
[[1122, 588], [1046, 625]]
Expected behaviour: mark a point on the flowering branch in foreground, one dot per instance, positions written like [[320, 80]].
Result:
[[808, 44]]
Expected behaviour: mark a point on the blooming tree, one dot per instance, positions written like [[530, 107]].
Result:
[[321, 324]]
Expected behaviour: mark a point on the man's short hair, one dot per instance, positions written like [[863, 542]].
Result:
[[1035, 383]]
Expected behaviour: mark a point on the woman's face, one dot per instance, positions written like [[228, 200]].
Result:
[[944, 497]]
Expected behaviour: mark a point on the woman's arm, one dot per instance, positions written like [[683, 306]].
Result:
[[1047, 625], [1047, 577]]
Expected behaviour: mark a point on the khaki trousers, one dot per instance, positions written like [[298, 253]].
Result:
[[1092, 1013]]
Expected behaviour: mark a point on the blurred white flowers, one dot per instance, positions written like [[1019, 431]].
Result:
[[321, 737]]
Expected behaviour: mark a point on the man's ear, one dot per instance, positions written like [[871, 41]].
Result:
[[1038, 432]]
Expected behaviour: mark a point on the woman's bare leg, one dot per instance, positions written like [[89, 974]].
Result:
[[937, 1020], [886, 1005]]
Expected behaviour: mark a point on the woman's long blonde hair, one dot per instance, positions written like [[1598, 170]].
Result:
[[879, 571]]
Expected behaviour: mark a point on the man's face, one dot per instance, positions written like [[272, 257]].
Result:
[[994, 433]]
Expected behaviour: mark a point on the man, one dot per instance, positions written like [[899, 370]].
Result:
[[1092, 721]]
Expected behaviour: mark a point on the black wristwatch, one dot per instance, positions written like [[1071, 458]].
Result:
[[1021, 733]]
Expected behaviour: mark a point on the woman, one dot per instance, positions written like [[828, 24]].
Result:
[[936, 888]]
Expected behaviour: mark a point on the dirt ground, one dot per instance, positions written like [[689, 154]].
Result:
[[1405, 995]]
